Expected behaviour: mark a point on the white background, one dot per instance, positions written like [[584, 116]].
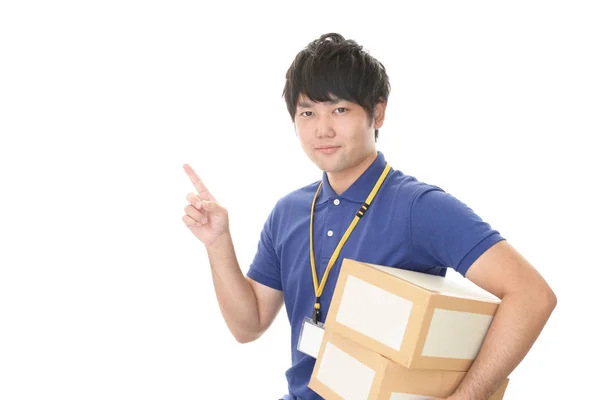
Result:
[[105, 294]]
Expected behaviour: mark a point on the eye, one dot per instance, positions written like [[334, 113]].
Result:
[[305, 112], [341, 108]]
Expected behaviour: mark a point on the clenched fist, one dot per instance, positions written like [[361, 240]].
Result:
[[204, 216]]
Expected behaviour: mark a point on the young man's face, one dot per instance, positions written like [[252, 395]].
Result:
[[336, 135]]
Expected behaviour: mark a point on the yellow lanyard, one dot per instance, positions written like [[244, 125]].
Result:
[[359, 214]]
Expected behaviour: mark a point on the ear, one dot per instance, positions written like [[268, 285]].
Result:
[[379, 114]]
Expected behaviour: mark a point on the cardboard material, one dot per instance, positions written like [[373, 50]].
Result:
[[415, 319], [345, 370]]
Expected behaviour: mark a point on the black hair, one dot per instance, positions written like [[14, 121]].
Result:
[[332, 65]]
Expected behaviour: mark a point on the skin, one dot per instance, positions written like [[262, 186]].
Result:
[[527, 303], [344, 125], [249, 308]]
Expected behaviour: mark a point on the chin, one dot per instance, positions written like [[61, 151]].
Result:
[[331, 166], [328, 163]]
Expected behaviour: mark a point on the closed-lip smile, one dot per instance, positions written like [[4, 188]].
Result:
[[327, 149]]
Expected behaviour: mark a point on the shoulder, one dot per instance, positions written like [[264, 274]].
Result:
[[293, 203], [297, 198], [406, 188]]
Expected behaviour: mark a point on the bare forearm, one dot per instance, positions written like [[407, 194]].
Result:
[[517, 324], [235, 295]]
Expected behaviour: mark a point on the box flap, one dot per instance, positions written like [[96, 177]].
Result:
[[439, 284]]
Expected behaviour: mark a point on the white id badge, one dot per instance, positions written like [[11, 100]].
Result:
[[311, 336]]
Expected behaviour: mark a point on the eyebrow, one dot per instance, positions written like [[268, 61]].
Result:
[[308, 104]]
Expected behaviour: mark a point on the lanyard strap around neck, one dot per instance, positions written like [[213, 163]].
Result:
[[359, 214]]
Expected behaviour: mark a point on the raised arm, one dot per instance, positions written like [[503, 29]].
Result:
[[248, 307]]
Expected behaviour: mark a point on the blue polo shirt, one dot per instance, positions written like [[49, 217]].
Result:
[[410, 225]]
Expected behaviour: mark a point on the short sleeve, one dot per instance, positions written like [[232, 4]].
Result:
[[445, 232], [265, 267]]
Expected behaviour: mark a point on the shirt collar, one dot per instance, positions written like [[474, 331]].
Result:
[[360, 189]]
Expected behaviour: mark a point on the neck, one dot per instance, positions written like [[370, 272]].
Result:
[[340, 181]]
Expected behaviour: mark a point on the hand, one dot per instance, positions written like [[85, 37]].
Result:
[[205, 217]]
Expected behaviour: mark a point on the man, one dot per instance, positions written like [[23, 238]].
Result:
[[336, 94]]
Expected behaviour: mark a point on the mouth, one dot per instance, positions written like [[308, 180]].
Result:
[[327, 149]]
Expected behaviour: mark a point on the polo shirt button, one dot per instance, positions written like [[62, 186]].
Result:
[[336, 202], [329, 233]]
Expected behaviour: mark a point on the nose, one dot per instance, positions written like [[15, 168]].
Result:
[[324, 127]]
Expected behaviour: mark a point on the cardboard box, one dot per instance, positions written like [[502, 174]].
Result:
[[348, 371], [414, 319]]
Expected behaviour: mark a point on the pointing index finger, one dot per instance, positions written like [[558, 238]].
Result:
[[198, 184]]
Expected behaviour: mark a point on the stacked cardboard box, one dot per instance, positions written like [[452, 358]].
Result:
[[395, 334]]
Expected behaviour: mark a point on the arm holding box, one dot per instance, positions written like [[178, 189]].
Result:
[[527, 302], [447, 232]]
